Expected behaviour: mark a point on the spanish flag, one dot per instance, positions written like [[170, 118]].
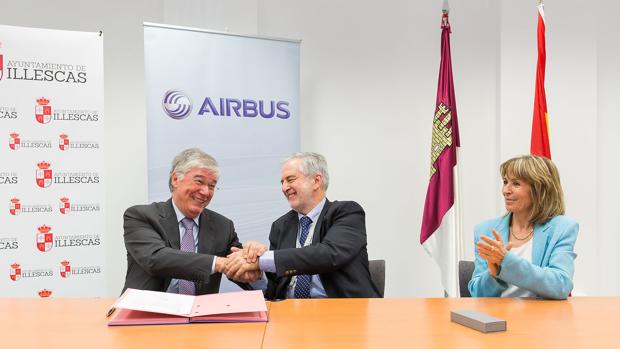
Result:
[[540, 122]]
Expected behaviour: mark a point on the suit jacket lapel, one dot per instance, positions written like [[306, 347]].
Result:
[[316, 237], [541, 239], [291, 228], [169, 221], [206, 234], [503, 228], [287, 240]]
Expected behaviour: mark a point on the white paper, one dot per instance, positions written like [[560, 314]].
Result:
[[156, 302]]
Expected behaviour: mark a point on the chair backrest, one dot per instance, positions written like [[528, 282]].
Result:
[[466, 268], [377, 274]]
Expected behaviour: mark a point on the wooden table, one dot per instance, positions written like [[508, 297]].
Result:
[[326, 323], [81, 323], [425, 323]]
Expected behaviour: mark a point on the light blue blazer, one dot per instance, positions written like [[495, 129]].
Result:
[[549, 275]]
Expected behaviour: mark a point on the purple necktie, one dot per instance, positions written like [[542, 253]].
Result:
[[188, 245], [302, 286]]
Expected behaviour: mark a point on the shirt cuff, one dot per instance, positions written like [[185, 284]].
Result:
[[213, 265], [267, 263]]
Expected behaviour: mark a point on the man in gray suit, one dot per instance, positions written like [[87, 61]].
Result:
[[178, 245]]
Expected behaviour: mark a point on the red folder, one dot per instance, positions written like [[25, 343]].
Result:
[[140, 307]]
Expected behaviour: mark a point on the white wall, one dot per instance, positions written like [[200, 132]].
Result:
[[368, 85], [369, 81], [606, 239], [385, 94], [571, 86]]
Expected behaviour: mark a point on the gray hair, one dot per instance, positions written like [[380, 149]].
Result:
[[311, 163], [189, 159]]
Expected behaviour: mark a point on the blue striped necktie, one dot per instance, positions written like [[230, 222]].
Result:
[[302, 286]]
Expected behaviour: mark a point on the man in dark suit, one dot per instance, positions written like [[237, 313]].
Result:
[[318, 249], [178, 245]]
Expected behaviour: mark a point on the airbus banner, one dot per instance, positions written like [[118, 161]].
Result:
[[235, 97]]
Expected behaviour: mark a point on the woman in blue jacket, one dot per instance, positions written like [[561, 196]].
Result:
[[528, 252]]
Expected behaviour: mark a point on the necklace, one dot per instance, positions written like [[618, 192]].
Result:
[[523, 238]]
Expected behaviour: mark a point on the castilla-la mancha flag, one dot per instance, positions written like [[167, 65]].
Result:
[[540, 123], [441, 223]]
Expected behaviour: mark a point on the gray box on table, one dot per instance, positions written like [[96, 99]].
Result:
[[478, 321]]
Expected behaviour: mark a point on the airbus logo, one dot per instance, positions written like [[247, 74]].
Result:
[[177, 104]]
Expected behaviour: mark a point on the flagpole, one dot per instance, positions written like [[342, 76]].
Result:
[[445, 7]]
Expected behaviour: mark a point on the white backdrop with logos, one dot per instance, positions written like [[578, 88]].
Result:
[[51, 166], [237, 98]]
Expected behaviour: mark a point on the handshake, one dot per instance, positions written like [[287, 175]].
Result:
[[241, 265]]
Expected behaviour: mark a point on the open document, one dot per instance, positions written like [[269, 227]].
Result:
[[140, 307]]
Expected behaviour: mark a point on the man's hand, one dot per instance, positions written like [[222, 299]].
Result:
[[250, 276], [252, 250], [220, 264], [239, 269]]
